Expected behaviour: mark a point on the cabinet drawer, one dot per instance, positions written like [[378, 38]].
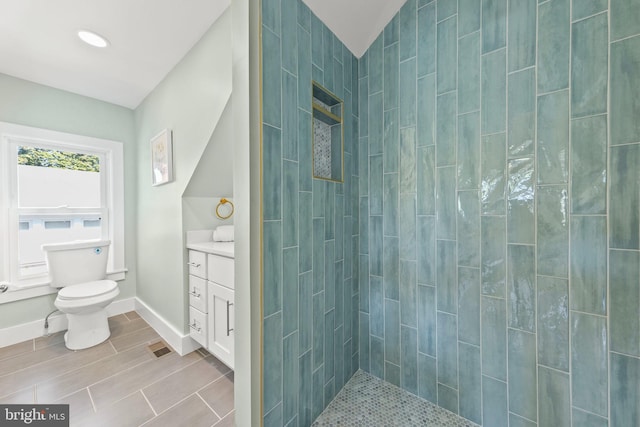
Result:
[[220, 270], [198, 326], [198, 293], [198, 264]]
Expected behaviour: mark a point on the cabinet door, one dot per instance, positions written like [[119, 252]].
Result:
[[221, 334]]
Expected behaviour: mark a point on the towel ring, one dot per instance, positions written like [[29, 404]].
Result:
[[224, 201]]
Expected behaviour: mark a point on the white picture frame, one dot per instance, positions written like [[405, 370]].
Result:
[[162, 158]]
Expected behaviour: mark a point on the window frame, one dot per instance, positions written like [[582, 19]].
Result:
[[112, 201]]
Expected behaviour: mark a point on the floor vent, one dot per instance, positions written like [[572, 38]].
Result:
[[159, 349]]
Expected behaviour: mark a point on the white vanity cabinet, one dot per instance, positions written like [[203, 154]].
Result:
[[211, 298]]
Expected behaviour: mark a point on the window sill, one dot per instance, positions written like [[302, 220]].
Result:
[[41, 287]]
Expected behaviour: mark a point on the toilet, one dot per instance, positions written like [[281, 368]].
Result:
[[78, 269]]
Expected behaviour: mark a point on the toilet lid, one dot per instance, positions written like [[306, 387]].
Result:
[[89, 289]]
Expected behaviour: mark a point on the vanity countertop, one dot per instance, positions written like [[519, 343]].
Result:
[[215, 248]]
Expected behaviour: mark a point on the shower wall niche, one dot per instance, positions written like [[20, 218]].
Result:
[[327, 135]]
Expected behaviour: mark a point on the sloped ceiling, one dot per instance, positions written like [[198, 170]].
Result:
[[356, 23], [148, 38]]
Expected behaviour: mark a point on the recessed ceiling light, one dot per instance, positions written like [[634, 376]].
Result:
[[92, 38]]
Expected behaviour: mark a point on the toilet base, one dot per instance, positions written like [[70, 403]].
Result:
[[86, 329]]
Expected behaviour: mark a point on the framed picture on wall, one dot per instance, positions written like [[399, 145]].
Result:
[[161, 158]]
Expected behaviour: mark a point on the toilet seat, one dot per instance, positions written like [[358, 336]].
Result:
[[87, 290]]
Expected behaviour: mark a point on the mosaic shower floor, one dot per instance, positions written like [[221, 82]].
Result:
[[369, 401]]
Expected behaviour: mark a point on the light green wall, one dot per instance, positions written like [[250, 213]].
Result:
[[211, 180], [31, 104], [189, 101]]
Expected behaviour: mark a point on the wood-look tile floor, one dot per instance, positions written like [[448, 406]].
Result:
[[119, 382]]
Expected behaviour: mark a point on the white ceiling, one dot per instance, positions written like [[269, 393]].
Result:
[[148, 38], [356, 23]]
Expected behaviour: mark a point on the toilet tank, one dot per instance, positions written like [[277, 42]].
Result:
[[76, 262]]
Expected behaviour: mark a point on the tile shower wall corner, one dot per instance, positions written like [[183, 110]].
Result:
[[483, 251], [311, 227], [522, 184]]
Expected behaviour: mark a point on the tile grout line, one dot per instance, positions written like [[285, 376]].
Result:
[[509, 412], [232, 413], [148, 403], [197, 393], [608, 353], [506, 205], [621, 39], [93, 403], [176, 404], [68, 371], [183, 368], [120, 400], [436, 176], [39, 363], [586, 411], [560, 371], [101, 380], [495, 379], [128, 334], [94, 362], [148, 385], [630, 356], [479, 147], [535, 208], [569, 208]]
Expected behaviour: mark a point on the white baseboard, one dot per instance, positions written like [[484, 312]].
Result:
[[57, 322], [182, 344]]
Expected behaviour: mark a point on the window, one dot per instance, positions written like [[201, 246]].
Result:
[[56, 187], [57, 191]]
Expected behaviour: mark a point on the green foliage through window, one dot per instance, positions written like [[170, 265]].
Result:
[[58, 159]]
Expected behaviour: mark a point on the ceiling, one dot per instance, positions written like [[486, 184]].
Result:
[[356, 23], [147, 38]]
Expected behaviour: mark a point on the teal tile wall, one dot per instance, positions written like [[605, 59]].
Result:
[[499, 165], [311, 251], [483, 251]]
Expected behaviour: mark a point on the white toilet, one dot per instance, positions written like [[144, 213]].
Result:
[[78, 269]]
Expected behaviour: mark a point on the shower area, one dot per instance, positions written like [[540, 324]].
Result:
[[481, 248]]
